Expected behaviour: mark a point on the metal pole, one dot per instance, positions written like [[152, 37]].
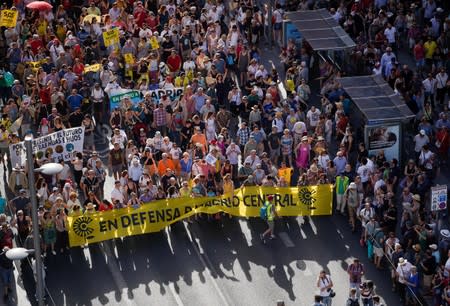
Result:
[[35, 221]]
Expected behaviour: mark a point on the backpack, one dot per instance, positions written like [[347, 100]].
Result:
[[263, 211]]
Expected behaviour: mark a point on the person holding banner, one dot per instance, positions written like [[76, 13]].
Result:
[[270, 216]]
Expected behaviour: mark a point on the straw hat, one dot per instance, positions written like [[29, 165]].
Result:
[[90, 206], [416, 197], [314, 168], [445, 233], [402, 261]]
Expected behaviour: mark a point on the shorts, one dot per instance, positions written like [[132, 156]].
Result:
[[378, 252], [277, 26], [116, 168], [7, 276], [271, 225]]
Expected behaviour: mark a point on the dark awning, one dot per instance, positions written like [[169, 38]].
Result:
[[320, 30], [376, 99]]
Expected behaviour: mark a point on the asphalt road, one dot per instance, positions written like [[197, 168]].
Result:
[[212, 264]]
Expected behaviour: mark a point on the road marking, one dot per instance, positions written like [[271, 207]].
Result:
[[313, 226], [286, 239], [175, 294], [203, 257], [246, 231], [116, 274], [303, 234]]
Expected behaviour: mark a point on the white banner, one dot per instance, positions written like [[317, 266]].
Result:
[[439, 197], [60, 145]]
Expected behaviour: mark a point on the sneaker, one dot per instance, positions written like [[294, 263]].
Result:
[[273, 236], [53, 252]]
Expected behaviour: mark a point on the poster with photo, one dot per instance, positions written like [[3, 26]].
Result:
[[386, 138]]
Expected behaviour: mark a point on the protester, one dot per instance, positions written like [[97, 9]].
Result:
[[191, 108]]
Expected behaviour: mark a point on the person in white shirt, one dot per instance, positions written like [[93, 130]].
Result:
[[386, 58], [441, 86], [116, 194], [253, 159], [135, 170], [232, 153], [145, 32], [420, 140], [119, 137], [377, 69], [429, 88], [364, 172], [390, 32], [298, 130], [313, 117], [403, 271]]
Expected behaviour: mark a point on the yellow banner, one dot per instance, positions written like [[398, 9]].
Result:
[[8, 18], [155, 216], [111, 37], [92, 68], [129, 58], [36, 65]]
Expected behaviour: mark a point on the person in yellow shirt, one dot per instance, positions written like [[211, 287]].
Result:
[[93, 10], [429, 46], [41, 26], [286, 173], [228, 185]]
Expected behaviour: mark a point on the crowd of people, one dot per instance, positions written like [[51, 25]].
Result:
[[231, 126]]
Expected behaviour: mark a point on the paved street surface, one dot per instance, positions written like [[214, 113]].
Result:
[[211, 265]]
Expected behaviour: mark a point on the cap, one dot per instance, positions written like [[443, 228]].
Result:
[[422, 132], [270, 197]]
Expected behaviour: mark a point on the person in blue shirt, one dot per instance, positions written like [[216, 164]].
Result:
[[2, 204], [74, 100], [413, 286]]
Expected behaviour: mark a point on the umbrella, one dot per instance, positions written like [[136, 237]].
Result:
[[40, 5], [89, 18]]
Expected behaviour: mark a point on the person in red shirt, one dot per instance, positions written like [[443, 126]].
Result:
[[35, 44], [174, 62], [105, 205], [45, 93], [341, 125], [78, 67], [443, 143], [419, 55]]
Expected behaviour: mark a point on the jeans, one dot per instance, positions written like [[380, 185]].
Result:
[[326, 300]]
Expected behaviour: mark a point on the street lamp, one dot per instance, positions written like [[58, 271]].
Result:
[[18, 253], [47, 169]]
